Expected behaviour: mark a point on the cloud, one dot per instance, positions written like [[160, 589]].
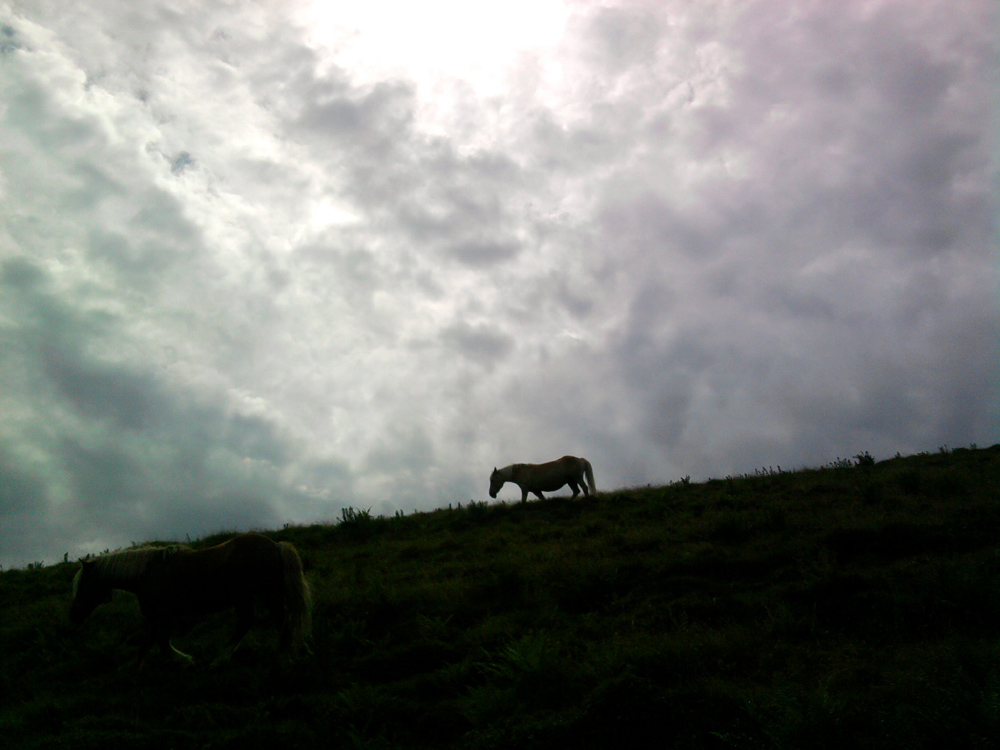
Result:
[[478, 343], [248, 277]]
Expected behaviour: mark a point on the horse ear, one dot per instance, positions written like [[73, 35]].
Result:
[[494, 469]]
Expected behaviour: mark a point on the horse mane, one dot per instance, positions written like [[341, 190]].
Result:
[[508, 471], [126, 566]]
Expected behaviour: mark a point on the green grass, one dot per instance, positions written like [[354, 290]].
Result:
[[856, 605]]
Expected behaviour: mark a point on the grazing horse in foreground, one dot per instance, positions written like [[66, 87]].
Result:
[[178, 581], [539, 478]]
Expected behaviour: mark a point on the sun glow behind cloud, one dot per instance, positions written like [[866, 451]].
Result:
[[425, 42]]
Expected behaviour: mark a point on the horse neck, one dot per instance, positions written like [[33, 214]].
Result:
[[507, 472], [124, 570]]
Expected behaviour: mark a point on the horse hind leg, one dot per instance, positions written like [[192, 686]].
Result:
[[281, 618], [291, 638], [292, 604]]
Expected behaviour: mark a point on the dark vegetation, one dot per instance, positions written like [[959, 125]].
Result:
[[856, 605]]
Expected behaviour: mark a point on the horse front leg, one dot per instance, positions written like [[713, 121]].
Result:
[[244, 621], [168, 648], [174, 652], [145, 645], [158, 634]]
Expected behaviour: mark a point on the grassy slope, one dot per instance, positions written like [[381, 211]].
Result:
[[837, 607]]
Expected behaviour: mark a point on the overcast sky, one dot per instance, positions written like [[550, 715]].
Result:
[[261, 261]]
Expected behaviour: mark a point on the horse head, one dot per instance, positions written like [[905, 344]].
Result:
[[496, 482], [88, 592]]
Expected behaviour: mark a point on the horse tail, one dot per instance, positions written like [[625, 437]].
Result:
[[298, 598], [590, 476]]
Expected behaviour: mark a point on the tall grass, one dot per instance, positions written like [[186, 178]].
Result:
[[853, 605]]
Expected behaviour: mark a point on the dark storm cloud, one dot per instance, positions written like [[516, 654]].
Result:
[[21, 275], [362, 132], [100, 392], [479, 343], [20, 491], [129, 452], [181, 162], [122, 490], [482, 253], [8, 40], [51, 342]]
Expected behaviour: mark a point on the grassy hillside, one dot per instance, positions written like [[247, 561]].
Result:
[[856, 605]]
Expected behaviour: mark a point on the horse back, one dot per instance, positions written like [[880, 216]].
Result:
[[215, 578], [549, 476]]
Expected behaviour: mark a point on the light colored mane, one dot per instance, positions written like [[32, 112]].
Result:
[[507, 472], [126, 566]]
